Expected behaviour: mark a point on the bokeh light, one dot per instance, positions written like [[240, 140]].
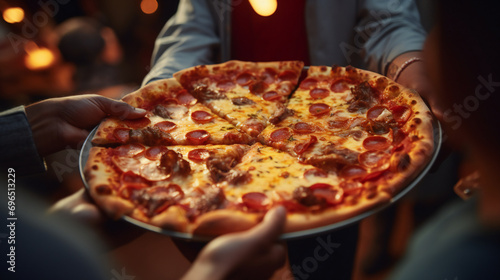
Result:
[[13, 15], [264, 8], [149, 6], [37, 57]]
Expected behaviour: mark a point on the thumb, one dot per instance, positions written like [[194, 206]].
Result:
[[118, 109], [271, 227]]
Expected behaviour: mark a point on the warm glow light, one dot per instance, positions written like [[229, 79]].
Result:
[[37, 58], [13, 15], [264, 8], [149, 6]]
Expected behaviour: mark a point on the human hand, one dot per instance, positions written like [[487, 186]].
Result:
[[252, 254], [79, 207], [413, 76], [58, 123]]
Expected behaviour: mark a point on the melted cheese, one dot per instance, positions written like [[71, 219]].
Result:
[[273, 171]]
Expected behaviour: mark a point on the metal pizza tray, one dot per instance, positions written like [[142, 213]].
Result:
[[84, 153]]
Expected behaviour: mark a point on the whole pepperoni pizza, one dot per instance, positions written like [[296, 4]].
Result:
[[222, 144]]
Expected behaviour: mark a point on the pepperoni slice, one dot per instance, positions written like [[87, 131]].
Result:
[[351, 188], [308, 83], [126, 164], [128, 190], [319, 93], [201, 116], [130, 177], [332, 196], [197, 137], [271, 96], [255, 200], [225, 85], [166, 126], [340, 85], [302, 147], [372, 159], [155, 153], [401, 113], [352, 172], [287, 75], [245, 78], [151, 172], [303, 128], [280, 134], [376, 143], [253, 127], [315, 172], [184, 98], [319, 109], [137, 123], [269, 75], [199, 155], [258, 87], [129, 150], [374, 112], [121, 134]]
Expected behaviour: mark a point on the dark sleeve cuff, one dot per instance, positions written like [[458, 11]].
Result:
[[17, 147]]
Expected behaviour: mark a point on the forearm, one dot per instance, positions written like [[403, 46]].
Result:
[[389, 30], [189, 38]]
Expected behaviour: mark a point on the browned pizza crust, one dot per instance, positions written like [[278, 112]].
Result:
[[328, 216], [100, 178], [225, 221]]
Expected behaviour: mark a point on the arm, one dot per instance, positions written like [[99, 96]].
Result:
[[394, 40], [190, 37], [388, 30]]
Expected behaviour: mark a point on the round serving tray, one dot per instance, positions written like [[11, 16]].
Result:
[[84, 154]]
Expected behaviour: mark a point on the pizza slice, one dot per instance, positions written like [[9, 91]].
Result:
[[174, 117], [250, 95], [165, 186]]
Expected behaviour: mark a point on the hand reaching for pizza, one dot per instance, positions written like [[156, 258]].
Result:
[[80, 208], [252, 254], [65, 122]]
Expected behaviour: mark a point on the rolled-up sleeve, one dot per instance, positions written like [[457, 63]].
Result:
[[17, 147], [388, 29]]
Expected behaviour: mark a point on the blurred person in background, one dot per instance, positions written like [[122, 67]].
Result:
[[95, 54]]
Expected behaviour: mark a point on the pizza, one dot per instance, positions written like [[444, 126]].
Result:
[[222, 144]]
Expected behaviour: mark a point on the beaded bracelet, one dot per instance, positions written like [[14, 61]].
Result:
[[404, 65]]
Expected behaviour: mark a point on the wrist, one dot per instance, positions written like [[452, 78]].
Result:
[[400, 64], [43, 127]]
